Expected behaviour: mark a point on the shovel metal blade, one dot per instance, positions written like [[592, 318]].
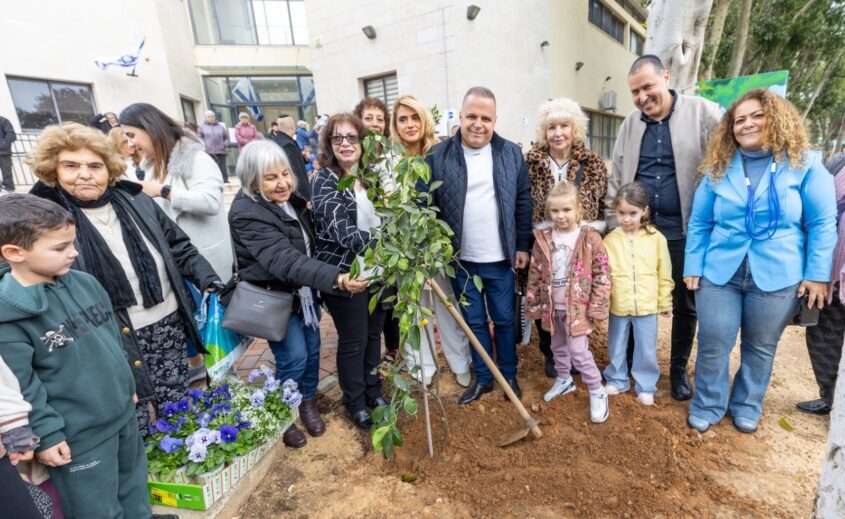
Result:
[[514, 437]]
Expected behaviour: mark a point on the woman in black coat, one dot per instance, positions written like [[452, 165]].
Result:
[[139, 255], [274, 242]]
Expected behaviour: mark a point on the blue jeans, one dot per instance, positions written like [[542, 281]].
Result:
[[644, 368], [722, 312], [298, 356], [497, 298]]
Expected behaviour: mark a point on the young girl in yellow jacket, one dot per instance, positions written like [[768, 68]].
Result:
[[641, 281]]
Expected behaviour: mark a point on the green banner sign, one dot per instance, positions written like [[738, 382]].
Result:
[[726, 91]]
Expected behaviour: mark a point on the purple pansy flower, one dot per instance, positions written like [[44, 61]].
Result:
[[254, 374], [267, 372], [169, 409], [197, 453], [203, 437], [164, 426], [257, 398], [271, 384], [169, 444], [196, 394], [228, 433]]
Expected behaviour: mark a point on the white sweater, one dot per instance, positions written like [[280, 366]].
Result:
[[14, 410]]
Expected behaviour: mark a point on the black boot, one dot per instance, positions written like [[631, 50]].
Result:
[[681, 387], [474, 392], [513, 384], [549, 368], [817, 406]]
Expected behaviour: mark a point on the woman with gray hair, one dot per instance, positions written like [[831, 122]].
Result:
[[274, 242], [560, 153]]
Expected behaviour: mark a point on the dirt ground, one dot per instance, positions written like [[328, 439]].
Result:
[[642, 462]]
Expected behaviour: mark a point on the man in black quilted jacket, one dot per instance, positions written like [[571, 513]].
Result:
[[485, 198], [7, 137]]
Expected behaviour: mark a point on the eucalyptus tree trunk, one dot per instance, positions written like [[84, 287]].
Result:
[[714, 37], [741, 43], [830, 500], [676, 33]]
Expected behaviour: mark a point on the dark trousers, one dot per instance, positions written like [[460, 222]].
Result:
[[497, 299], [358, 348], [221, 163], [824, 343], [683, 312], [17, 501], [545, 340], [391, 331], [8, 175]]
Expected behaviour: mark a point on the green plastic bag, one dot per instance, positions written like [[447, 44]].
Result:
[[224, 346]]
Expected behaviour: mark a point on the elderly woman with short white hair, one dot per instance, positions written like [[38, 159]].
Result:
[[245, 131], [273, 236], [560, 153]]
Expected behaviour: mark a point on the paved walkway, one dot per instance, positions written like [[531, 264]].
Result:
[[259, 353]]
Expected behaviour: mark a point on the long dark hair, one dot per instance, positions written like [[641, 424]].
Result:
[[635, 194], [164, 132], [327, 158]]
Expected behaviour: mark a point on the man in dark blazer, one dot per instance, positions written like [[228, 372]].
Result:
[[285, 139]]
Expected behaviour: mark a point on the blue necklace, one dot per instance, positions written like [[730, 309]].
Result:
[[755, 230]]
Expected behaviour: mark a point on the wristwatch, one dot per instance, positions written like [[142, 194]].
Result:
[[165, 191]]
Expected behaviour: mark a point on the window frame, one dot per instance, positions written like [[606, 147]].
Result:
[[215, 24], [607, 125], [230, 80], [367, 81], [635, 36], [49, 83], [599, 16]]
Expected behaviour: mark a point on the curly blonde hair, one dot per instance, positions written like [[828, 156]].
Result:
[[427, 123], [561, 109], [44, 159], [784, 134]]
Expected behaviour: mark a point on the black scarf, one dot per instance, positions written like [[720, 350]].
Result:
[[101, 263]]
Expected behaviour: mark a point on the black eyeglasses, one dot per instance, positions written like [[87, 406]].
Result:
[[351, 138]]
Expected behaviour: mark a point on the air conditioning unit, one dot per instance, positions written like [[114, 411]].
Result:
[[608, 100]]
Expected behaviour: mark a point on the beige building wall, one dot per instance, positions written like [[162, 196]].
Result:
[[55, 40], [576, 39], [436, 54]]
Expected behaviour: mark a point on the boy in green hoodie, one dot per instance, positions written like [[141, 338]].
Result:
[[59, 337]]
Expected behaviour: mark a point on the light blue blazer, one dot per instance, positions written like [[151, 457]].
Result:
[[717, 241]]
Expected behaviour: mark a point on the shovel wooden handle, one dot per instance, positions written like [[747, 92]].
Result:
[[529, 420]]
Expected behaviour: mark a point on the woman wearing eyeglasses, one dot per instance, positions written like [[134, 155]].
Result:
[[344, 220], [761, 236]]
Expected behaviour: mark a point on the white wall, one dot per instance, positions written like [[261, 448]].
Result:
[[436, 53], [60, 40]]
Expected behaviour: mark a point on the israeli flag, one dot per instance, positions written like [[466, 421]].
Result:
[[125, 61], [246, 94]]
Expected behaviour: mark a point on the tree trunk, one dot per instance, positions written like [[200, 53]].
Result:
[[741, 43], [823, 81], [714, 37], [676, 33], [830, 500]]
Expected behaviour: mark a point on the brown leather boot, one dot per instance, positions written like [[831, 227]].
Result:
[[311, 418], [294, 438]]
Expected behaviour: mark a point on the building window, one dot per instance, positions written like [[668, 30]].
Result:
[[636, 43], [263, 98], [602, 17], [601, 132], [189, 113], [249, 22], [384, 87], [633, 11], [41, 103]]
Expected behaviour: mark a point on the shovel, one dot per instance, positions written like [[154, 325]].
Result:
[[531, 424]]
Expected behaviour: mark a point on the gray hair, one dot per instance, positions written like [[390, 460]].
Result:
[[301, 123], [255, 159], [210, 112], [561, 109], [242, 115]]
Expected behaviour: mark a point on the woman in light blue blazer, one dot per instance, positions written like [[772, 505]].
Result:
[[761, 236]]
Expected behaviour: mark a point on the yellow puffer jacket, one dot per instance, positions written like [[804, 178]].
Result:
[[640, 273]]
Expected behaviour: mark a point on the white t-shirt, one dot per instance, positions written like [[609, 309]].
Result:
[[105, 221], [559, 172], [481, 241], [563, 244], [366, 220]]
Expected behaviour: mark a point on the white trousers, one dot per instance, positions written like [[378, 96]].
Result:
[[452, 338]]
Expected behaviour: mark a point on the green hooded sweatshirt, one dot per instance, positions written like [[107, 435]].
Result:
[[62, 342]]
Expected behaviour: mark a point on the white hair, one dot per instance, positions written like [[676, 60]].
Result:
[[210, 112], [255, 159], [561, 109], [242, 115]]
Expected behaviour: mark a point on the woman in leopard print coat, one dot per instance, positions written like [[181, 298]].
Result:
[[560, 152]]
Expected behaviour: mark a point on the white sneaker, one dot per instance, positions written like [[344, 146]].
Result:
[[417, 375], [599, 409], [560, 388], [610, 389], [463, 379], [646, 398]]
